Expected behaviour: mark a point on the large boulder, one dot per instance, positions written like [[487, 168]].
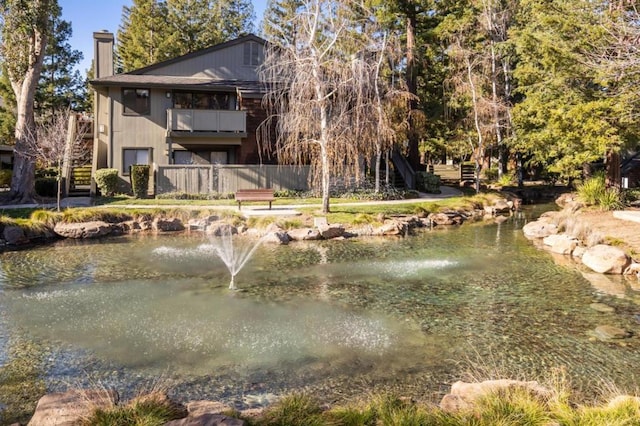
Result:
[[392, 227], [167, 225], [83, 230], [560, 243], [276, 237], [221, 229], [539, 229], [331, 231], [14, 235], [463, 396], [609, 332], [304, 234], [606, 259], [72, 407], [446, 218]]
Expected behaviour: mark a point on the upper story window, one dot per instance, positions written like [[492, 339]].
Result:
[[136, 102], [204, 100], [251, 53]]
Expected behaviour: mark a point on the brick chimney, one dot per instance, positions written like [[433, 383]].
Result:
[[103, 54]]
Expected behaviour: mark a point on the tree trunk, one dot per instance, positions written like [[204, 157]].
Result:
[[612, 163], [24, 87], [412, 87]]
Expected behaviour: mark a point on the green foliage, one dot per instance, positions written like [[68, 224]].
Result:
[[61, 85], [428, 182], [594, 192], [147, 30], [592, 189], [46, 186], [507, 179], [5, 177], [90, 214], [140, 180], [47, 217], [149, 410], [107, 181], [294, 410]]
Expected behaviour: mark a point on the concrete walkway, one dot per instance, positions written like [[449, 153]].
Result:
[[251, 210], [630, 215]]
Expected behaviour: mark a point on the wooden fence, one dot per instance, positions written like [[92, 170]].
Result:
[[204, 179]]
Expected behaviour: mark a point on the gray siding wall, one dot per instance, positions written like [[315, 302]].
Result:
[[225, 64], [140, 131]]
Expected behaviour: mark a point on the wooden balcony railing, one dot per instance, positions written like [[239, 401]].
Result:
[[202, 120]]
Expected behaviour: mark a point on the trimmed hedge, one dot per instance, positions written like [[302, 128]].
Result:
[[46, 186], [140, 180], [428, 182], [107, 181]]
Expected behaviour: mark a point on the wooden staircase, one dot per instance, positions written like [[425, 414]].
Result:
[[78, 172]]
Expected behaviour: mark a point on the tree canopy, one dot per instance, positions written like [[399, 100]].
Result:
[[155, 30]]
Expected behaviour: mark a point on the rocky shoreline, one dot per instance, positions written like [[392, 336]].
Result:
[[14, 236]]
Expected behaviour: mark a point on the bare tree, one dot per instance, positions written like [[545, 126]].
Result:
[[55, 141], [326, 103]]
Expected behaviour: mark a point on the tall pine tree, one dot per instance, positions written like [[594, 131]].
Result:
[[153, 30], [142, 35], [61, 85]]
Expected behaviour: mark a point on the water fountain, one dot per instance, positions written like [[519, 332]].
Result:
[[234, 257]]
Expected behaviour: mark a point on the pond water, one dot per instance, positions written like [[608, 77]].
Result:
[[337, 318]]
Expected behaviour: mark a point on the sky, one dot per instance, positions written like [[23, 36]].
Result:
[[88, 17]]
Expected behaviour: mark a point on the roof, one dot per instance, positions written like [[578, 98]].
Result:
[[178, 82], [139, 77]]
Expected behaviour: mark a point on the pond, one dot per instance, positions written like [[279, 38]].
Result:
[[337, 318]]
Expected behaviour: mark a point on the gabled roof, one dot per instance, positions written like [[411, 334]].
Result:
[[140, 77], [205, 51]]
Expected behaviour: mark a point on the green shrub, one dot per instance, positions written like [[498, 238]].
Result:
[[592, 189], [491, 174], [428, 182], [147, 410], [5, 177], [46, 186], [610, 199], [506, 179], [140, 180], [107, 181], [294, 410]]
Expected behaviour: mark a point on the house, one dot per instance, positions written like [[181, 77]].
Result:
[[200, 109]]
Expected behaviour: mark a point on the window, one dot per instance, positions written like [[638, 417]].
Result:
[[204, 100], [136, 101], [131, 156], [251, 53]]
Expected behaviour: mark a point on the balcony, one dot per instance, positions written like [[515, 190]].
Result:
[[203, 122]]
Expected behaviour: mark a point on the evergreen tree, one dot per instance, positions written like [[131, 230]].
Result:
[[154, 30], [60, 85], [197, 24], [564, 120], [143, 35], [278, 23]]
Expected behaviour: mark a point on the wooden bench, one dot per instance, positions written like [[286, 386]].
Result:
[[254, 195]]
